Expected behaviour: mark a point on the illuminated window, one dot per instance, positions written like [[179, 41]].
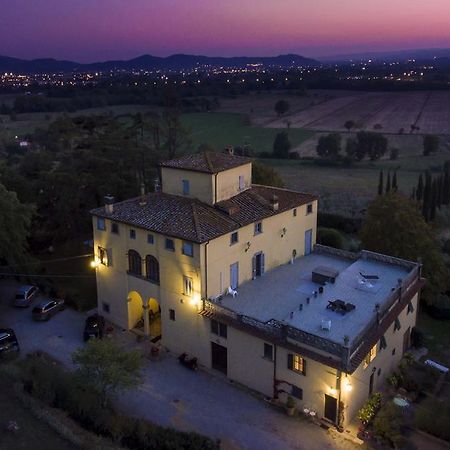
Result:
[[103, 256], [187, 286], [370, 356], [296, 363]]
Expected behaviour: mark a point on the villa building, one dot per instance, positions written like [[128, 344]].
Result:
[[229, 272]]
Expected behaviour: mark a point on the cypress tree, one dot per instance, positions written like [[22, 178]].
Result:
[[433, 200], [439, 191], [426, 197], [394, 182], [419, 190], [388, 183], [380, 183], [446, 188], [413, 194]]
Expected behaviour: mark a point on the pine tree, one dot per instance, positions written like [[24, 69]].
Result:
[[419, 190], [394, 182], [380, 183], [388, 183]]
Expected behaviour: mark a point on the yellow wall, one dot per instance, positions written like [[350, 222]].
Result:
[[277, 249], [228, 181], [200, 184]]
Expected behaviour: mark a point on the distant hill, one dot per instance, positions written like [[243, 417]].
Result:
[[149, 62]]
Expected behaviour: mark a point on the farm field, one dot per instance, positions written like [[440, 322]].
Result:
[[221, 129], [391, 112]]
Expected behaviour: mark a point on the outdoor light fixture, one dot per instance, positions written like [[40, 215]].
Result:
[[95, 263], [348, 386], [333, 391]]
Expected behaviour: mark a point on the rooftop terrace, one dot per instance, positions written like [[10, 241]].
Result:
[[286, 294]]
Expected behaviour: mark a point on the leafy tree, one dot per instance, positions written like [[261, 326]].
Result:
[[266, 175], [15, 222], [281, 145], [281, 107], [430, 144], [371, 144], [108, 368], [349, 124], [351, 148], [384, 231], [329, 146]]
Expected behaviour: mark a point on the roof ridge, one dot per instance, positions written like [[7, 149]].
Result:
[[208, 162], [195, 219], [275, 188]]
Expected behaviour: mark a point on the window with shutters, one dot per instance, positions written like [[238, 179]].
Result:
[[134, 263], [187, 286], [104, 256], [371, 355], [296, 363], [152, 269]]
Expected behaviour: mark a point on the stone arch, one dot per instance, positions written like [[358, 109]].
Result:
[[135, 308]]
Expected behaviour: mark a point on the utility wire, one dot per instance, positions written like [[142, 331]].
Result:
[[47, 261]]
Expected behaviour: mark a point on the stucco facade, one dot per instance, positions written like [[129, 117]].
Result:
[[170, 285]]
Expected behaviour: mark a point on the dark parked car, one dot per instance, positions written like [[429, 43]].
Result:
[[25, 295], [94, 327], [47, 308], [9, 345]]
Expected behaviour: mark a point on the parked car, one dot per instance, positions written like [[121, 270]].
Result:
[[9, 345], [47, 308], [25, 295], [94, 327]]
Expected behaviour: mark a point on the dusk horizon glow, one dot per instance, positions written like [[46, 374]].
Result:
[[93, 30]]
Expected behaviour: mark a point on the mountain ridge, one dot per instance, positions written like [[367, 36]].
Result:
[[149, 62]]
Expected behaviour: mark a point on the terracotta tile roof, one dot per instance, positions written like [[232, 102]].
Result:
[[193, 220], [207, 162]]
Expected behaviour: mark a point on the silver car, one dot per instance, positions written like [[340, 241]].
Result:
[[25, 295], [47, 308]]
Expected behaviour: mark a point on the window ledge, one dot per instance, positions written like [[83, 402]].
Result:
[[142, 277]]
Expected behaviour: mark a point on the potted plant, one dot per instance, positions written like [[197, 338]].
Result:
[[290, 406]]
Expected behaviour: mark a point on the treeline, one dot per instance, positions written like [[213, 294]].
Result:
[[432, 193]]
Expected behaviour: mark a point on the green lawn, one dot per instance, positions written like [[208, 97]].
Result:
[[221, 129]]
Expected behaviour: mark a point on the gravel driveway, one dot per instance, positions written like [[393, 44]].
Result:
[[172, 395]]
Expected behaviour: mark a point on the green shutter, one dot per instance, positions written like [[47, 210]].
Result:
[[410, 307], [304, 366], [383, 343], [397, 324]]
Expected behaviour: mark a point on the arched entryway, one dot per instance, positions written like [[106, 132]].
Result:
[[135, 309]]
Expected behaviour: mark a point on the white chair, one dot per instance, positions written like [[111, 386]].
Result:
[[231, 291]]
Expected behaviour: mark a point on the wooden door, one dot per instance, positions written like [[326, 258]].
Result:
[[330, 412]]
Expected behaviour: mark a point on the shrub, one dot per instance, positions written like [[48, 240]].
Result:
[[388, 422], [370, 408], [330, 237]]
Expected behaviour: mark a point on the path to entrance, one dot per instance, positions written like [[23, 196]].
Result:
[[172, 395]]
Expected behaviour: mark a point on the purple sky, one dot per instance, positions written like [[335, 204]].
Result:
[[90, 30]]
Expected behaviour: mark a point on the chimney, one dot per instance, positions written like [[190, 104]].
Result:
[[229, 150], [109, 204], [274, 203], [142, 202]]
